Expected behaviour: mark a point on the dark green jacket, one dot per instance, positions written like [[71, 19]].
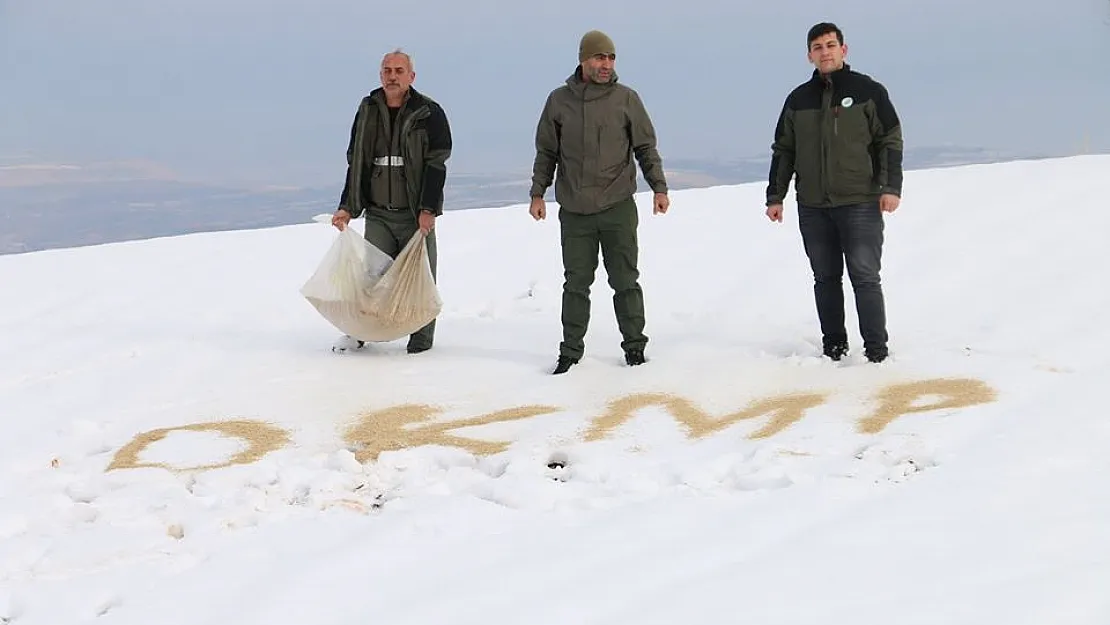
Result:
[[425, 145], [588, 134], [841, 137]]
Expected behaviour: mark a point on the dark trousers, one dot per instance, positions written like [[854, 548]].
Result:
[[613, 231], [390, 231], [852, 234]]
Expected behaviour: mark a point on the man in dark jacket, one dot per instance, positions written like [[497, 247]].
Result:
[[590, 130], [396, 170], [839, 134]]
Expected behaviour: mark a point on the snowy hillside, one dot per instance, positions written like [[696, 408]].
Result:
[[181, 447]]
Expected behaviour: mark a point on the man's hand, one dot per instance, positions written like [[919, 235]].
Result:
[[661, 204], [340, 219], [538, 208], [888, 202], [774, 212], [426, 221]]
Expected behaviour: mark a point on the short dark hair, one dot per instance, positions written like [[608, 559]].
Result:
[[822, 29]]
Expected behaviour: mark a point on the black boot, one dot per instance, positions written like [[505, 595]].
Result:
[[634, 357], [836, 349], [876, 354], [564, 364]]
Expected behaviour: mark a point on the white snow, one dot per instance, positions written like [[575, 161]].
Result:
[[990, 508]]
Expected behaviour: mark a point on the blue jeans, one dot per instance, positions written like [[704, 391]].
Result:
[[854, 235]]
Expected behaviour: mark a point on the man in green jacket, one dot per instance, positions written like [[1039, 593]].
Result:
[[839, 134], [396, 170], [590, 130]]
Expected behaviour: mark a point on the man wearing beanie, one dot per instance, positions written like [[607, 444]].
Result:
[[589, 132]]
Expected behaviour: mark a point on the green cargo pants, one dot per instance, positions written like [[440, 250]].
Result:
[[613, 231], [390, 231]]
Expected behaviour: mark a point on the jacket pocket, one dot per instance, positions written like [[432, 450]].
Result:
[[613, 146], [852, 171], [853, 176]]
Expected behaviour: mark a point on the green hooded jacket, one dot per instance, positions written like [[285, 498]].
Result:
[[586, 139]]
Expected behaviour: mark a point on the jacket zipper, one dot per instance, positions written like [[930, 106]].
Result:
[[394, 145], [585, 87], [826, 148], [389, 164], [402, 146]]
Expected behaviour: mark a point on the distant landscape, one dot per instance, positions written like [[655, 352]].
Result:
[[49, 207]]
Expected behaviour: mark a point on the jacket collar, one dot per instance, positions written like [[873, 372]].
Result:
[[581, 85], [412, 98], [834, 76]]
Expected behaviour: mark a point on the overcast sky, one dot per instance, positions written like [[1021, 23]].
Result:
[[264, 90]]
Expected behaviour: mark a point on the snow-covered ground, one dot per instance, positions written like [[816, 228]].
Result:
[[180, 446]]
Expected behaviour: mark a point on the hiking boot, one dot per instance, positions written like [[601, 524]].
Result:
[[634, 357], [347, 344], [836, 350], [564, 365], [876, 354]]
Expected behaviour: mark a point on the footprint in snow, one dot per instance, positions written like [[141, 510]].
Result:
[[557, 464]]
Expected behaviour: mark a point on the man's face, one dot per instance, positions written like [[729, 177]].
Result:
[[827, 53], [599, 67], [397, 75]]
